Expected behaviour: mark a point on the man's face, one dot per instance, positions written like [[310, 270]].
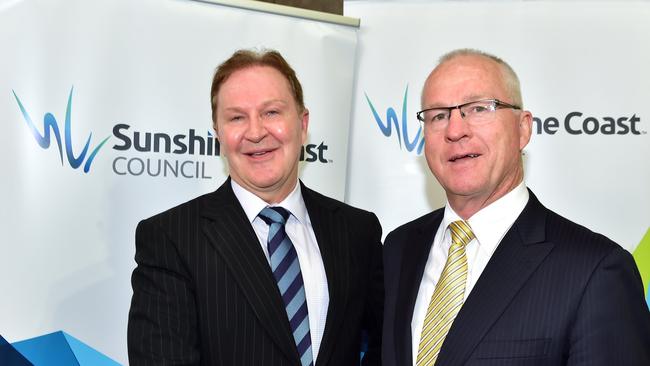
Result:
[[261, 131], [476, 164]]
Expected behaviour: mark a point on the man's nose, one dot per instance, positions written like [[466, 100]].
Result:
[[457, 126], [256, 129]]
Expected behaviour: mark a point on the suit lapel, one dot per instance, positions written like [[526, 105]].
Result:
[[415, 254], [232, 235], [331, 231], [518, 255]]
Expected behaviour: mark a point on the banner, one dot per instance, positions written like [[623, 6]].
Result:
[[584, 75], [106, 120]]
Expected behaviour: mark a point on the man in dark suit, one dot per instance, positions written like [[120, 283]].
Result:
[[263, 271], [494, 277]]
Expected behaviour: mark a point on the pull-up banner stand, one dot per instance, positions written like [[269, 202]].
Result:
[[105, 110]]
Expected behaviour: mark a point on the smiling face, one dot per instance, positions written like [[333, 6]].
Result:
[[476, 165], [261, 131]]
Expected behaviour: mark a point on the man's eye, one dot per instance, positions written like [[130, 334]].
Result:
[[271, 113], [236, 118], [477, 109], [439, 117]]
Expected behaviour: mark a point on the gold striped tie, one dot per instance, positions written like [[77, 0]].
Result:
[[448, 296]]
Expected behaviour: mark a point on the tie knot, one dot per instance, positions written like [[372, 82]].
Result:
[[461, 232], [275, 214]]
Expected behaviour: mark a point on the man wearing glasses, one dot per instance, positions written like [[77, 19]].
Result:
[[494, 277]]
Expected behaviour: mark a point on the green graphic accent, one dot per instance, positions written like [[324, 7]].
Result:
[[642, 257]]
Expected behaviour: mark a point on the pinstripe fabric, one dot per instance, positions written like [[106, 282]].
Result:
[[204, 294], [447, 297], [553, 293]]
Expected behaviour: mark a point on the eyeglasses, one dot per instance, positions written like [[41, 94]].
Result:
[[474, 113]]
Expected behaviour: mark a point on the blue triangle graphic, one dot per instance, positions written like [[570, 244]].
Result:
[[87, 356], [47, 350], [58, 349], [9, 356]]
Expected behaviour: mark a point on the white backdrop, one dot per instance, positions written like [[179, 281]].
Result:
[[590, 58], [67, 237]]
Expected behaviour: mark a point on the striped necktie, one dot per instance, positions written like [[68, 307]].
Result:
[[286, 270], [447, 298]]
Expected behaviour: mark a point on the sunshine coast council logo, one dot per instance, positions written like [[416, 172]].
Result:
[[136, 152], [401, 126], [51, 127]]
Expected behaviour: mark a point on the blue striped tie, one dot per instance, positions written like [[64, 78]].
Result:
[[286, 270]]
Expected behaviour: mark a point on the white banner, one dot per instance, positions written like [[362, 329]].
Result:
[[584, 75], [106, 120]]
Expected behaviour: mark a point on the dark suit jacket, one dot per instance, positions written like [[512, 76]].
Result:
[[553, 293], [204, 294]]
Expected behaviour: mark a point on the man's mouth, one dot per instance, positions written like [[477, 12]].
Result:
[[464, 156], [260, 153]]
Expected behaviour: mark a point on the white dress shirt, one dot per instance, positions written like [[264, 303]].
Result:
[[301, 233], [489, 225]]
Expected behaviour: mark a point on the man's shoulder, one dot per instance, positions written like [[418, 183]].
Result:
[[205, 204], [187, 211], [570, 236], [311, 196], [420, 223], [398, 241], [563, 230]]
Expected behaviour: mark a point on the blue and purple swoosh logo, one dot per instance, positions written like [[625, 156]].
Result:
[[401, 127], [51, 127]]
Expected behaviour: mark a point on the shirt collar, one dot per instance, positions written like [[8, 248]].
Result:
[[252, 204], [491, 223]]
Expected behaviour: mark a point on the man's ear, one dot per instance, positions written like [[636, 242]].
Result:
[[215, 129], [304, 124], [525, 128]]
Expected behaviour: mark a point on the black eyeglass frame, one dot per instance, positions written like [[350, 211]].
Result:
[[497, 104]]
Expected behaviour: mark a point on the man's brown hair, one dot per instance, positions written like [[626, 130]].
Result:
[[243, 59]]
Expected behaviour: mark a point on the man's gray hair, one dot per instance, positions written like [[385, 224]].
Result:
[[508, 75]]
